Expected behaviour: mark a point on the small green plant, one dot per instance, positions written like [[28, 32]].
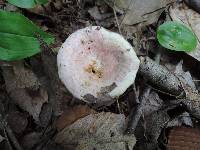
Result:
[[27, 3], [176, 36], [18, 36]]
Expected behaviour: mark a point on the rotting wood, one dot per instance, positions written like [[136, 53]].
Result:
[[160, 77]]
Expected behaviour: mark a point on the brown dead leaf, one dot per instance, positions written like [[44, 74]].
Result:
[[1, 138], [183, 119], [194, 4], [183, 14], [29, 140], [97, 131], [94, 12], [40, 9], [185, 77], [2, 2], [30, 100], [140, 11], [48, 7], [73, 114], [46, 114], [97, 15], [154, 123], [192, 101], [182, 138], [10, 7], [37, 10], [17, 121], [152, 103], [58, 95], [25, 89]]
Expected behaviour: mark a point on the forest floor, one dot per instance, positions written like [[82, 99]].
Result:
[[37, 112]]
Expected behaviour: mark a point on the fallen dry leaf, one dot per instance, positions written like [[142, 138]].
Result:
[[40, 9], [183, 138], [2, 2], [58, 95], [183, 119], [97, 15], [17, 121], [194, 4], [97, 131], [152, 103], [154, 123], [185, 76], [24, 88], [146, 12], [182, 13], [72, 114], [192, 101], [94, 12], [1, 138], [47, 8], [30, 140], [46, 114], [10, 7]]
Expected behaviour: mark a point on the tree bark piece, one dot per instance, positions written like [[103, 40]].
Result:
[[158, 76]]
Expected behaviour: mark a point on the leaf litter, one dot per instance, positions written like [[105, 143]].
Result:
[[56, 120], [25, 89]]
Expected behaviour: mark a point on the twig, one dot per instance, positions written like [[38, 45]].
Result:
[[134, 118], [136, 112], [9, 133], [158, 76], [118, 106], [165, 81], [163, 92], [7, 139], [133, 99], [45, 139], [46, 49], [129, 5], [117, 21], [12, 137], [196, 80]]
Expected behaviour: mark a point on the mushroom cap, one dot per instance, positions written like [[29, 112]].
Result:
[[97, 62]]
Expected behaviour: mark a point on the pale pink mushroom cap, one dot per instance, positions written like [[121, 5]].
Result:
[[94, 58]]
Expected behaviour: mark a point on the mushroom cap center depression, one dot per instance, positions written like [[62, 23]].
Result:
[[101, 62], [97, 64]]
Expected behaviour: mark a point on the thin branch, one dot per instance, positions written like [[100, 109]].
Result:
[[136, 112], [7, 139], [8, 131], [117, 21]]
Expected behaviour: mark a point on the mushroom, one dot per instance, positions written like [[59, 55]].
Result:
[[97, 65]]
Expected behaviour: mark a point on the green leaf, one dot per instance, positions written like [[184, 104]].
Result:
[[18, 36], [27, 3], [176, 36]]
